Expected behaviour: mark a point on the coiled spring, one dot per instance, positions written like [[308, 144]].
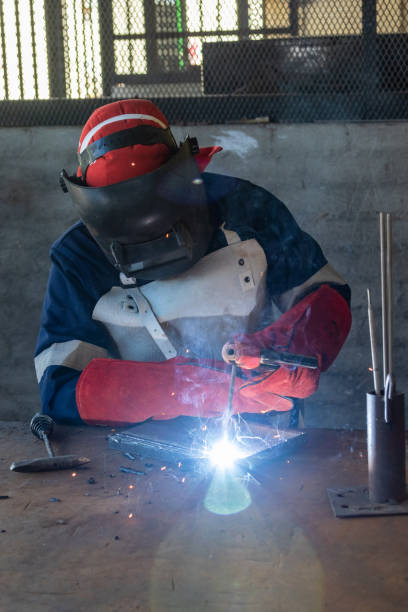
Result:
[[41, 425]]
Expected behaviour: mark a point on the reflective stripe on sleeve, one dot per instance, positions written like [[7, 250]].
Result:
[[73, 354]]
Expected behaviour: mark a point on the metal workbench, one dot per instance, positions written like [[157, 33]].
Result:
[[108, 540]]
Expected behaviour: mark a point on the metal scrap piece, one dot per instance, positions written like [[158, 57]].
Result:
[[131, 471]]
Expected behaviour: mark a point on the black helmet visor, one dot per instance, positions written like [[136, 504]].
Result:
[[153, 226]]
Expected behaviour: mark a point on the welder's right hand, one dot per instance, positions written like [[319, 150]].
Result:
[[286, 381]]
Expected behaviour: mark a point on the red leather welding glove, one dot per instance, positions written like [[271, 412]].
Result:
[[116, 392], [317, 326]]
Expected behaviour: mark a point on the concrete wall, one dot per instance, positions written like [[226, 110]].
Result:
[[334, 177]]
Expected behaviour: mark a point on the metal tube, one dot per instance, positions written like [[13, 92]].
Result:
[[386, 449], [384, 296]]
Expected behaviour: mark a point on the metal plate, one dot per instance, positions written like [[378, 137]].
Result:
[[349, 503], [186, 439]]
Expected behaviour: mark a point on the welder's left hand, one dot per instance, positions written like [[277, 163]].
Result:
[[120, 392], [317, 326]]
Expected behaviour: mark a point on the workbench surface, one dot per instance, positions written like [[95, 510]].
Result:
[[114, 541]]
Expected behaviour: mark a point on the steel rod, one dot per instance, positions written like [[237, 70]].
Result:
[[373, 342], [384, 296], [48, 445], [228, 411], [390, 307]]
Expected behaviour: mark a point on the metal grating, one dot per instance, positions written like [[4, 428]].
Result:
[[204, 60]]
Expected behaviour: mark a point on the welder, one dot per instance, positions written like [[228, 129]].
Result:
[[169, 272]]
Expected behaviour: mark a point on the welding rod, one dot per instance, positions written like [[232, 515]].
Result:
[[390, 306], [387, 297], [228, 411], [384, 294], [373, 342]]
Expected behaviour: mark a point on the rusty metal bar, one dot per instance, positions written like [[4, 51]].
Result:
[[19, 59], [107, 48], [35, 70], [55, 48], [3, 50]]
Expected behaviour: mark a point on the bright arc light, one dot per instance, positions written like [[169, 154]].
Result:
[[224, 453]]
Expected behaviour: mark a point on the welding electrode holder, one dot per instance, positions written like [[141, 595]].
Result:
[[386, 448], [272, 359]]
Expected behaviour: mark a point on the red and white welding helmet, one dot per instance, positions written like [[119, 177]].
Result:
[[139, 193]]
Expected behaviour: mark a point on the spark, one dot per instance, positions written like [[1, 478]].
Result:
[[164, 467], [183, 479], [179, 464], [73, 474], [131, 486], [246, 478], [130, 515], [244, 439]]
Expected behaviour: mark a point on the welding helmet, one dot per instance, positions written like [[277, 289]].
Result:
[[140, 194]]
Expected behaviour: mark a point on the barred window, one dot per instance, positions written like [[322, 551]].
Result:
[[204, 60]]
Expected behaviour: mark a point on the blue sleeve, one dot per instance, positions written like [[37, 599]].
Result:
[[57, 391], [293, 256], [79, 275]]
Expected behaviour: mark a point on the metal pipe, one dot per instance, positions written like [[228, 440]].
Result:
[[386, 449]]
